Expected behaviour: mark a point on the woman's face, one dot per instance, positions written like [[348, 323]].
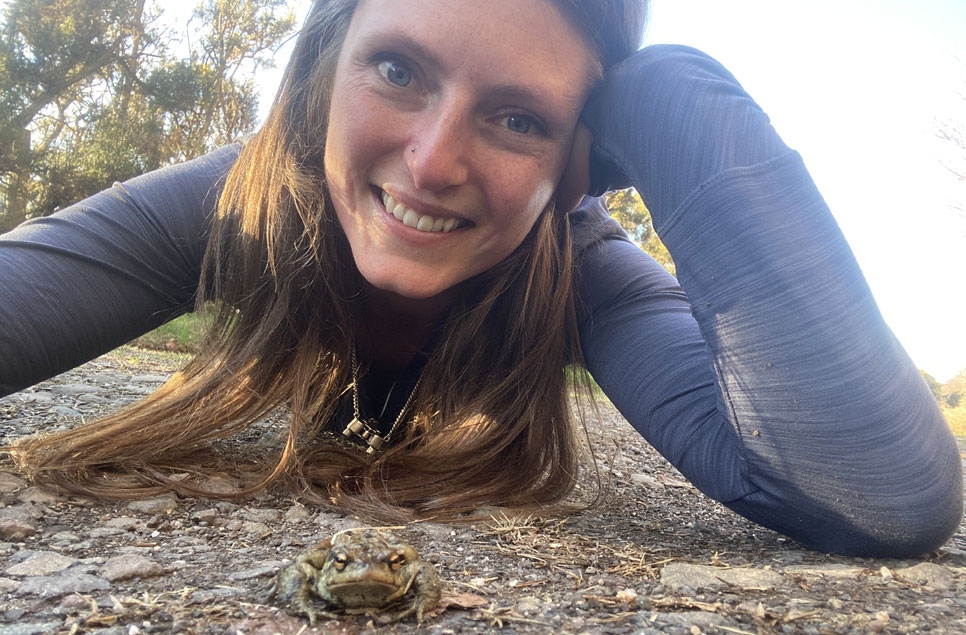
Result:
[[451, 124]]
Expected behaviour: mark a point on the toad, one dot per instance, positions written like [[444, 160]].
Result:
[[358, 571]]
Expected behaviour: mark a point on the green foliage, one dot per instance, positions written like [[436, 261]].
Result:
[[934, 386], [627, 208], [184, 334], [951, 397], [956, 417], [94, 92]]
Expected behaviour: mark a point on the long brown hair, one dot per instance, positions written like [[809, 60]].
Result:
[[287, 297]]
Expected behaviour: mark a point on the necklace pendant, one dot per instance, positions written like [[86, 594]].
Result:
[[355, 427], [365, 431]]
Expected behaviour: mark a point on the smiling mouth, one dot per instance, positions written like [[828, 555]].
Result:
[[420, 222]]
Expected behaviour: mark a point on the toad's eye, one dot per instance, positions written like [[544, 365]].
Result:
[[397, 560], [396, 72], [340, 560], [520, 124]]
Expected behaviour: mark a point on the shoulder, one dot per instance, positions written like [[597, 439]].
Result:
[[590, 223]]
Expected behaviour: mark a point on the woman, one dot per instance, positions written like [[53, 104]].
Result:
[[395, 263]]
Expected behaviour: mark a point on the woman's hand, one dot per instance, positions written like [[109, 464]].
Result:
[[575, 182]]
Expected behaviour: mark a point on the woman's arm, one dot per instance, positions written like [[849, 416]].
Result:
[[103, 271], [777, 389]]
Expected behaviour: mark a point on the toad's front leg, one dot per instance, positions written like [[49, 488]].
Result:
[[427, 591]]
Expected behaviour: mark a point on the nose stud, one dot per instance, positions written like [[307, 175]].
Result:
[[413, 149]]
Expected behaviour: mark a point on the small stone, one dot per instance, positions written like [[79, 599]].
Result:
[[106, 532], [10, 483], [15, 529], [40, 564], [125, 523], [627, 596], [827, 571], [40, 496], [255, 529], [930, 575], [159, 505], [8, 585], [74, 389], [681, 575], [38, 628], [149, 379], [66, 412], [646, 479], [208, 516], [751, 579], [59, 586], [130, 566], [297, 514]]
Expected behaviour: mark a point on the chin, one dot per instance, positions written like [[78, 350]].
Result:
[[409, 290]]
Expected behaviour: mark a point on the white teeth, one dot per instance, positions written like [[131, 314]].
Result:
[[412, 218]]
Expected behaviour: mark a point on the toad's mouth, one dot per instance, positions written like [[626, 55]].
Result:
[[367, 593], [420, 222]]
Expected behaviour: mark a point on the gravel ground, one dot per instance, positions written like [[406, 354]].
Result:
[[656, 557]]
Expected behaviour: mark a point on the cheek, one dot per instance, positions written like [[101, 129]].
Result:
[[355, 134], [528, 203]]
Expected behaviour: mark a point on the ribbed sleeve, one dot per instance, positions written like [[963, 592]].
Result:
[[780, 390]]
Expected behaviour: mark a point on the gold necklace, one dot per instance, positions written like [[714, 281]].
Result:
[[367, 429]]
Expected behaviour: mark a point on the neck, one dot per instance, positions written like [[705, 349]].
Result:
[[396, 328]]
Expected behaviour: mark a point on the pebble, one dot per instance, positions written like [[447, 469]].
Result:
[[259, 515], [209, 516], [30, 629], [37, 396], [149, 379], [255, 529], [64, 411], [41, 563], [74, 389], [928, 574], [15, 529], [125, 523], [130, 566], [297, 514], [158, 505], [59, 586], [833, 570], [681, 575], [10, 483], [40, 496]]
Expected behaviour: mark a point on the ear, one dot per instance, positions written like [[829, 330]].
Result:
[[575, 182]]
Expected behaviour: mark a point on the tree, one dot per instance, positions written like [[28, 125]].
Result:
[[234, 37], [954, 133], [627, 208], [94, 91], [934, 386], [51, 53]]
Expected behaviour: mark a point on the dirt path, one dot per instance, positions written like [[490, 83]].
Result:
[[658, 557]]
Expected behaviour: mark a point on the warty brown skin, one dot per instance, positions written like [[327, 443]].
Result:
[[358, 571]]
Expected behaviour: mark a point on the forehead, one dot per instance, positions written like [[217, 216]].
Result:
[[525, 42]]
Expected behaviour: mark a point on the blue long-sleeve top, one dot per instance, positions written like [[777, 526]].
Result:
[[764, 373]]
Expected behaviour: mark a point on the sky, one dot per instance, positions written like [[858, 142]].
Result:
[[860, 89]]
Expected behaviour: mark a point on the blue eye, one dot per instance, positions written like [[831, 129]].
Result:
[[519, 124], [396, 73]]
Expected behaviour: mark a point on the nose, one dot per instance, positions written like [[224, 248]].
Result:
[[438, 154]]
